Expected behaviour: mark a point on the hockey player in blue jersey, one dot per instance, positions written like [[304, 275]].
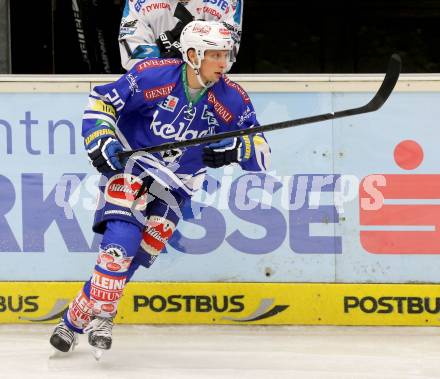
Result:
[[158, 101]]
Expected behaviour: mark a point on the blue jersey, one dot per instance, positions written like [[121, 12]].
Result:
[[152, 105]]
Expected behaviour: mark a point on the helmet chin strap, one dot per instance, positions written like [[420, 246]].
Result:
[[198, 76]]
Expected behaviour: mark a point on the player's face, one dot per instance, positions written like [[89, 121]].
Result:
[[214, 64]]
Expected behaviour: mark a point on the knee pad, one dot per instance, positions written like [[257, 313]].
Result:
[[158, 231]]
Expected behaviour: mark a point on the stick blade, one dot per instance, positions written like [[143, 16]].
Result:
[[388, 84], [382, 94]]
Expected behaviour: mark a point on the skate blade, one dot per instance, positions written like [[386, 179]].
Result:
[[56, 354], [60, 354], [97, 353], [75, 344]]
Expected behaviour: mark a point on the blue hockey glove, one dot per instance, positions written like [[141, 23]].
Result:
[[102, 148], [227, 151]]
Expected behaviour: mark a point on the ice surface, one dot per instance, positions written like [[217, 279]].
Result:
[[245, 352]]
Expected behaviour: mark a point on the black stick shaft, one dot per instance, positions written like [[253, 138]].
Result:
[[374, 104]]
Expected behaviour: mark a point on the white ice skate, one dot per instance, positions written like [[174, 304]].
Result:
[[100, 335], [63, 339]]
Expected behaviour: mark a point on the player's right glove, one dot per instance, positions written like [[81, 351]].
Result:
[[102, 148], [227, 151]]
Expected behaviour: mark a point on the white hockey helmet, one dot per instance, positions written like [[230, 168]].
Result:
[[202, 36]]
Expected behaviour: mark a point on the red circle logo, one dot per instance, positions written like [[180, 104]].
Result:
[[408, 154], [108, 307], [113, 266]]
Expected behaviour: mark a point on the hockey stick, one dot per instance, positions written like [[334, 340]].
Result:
[[374, 104]]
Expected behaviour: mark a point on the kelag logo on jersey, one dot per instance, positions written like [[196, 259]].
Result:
[[179, 128]]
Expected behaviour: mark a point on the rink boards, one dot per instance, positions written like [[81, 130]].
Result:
[[237, 303], [254, 248], [305, 220]]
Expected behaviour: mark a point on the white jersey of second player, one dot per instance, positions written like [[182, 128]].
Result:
[[144, 20]]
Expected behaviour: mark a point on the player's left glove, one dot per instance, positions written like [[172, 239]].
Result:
[[227, 151]]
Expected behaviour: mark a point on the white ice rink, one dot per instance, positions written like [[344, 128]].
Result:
[[248, 352]]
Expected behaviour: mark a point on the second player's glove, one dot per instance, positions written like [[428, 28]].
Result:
[[103, 148], [227, 151], [175, 51], [168, 42]]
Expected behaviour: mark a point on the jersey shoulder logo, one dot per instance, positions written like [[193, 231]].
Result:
[[238, 88], [219, 108], [157, 62], [158, 92], [247, 114]]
